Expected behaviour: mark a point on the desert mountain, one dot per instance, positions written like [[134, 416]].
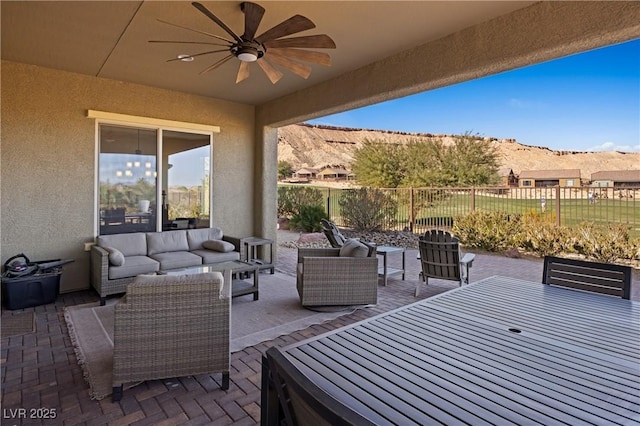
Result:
[[303, 145]]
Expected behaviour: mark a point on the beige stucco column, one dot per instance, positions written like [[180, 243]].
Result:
[[266, 176]]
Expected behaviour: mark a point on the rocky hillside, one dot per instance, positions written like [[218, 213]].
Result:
[[318, 146]]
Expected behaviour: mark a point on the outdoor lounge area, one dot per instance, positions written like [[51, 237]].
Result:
[[102, 110], [40, 368]]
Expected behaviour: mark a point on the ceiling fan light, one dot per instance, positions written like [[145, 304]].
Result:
[[247, 54], [186, 58]]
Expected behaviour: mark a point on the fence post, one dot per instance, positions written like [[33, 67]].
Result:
[[412, 214], [329, 203], [558, 205], [473, 199]]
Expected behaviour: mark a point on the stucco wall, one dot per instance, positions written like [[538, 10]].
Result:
[[48, 159]]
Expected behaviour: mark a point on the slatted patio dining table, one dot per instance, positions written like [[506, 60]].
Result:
[[499, 351]]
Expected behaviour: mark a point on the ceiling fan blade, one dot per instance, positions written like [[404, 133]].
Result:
[[312, 56], [217, 20], [321, 41], [188, 42], [243, 72], [197, 31], [298, 68], [199, 54], [252, 17], [216, 64], [293, 25], [272, 72]]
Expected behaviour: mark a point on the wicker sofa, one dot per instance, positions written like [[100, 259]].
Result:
[[172, 326], [338, 276], [117, 259]]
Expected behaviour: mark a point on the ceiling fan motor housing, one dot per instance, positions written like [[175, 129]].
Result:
[[248, 51]]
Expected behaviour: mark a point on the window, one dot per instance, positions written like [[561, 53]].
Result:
[[187, 189], [526, 183], [127, 179], [570, 182], [152, 179]]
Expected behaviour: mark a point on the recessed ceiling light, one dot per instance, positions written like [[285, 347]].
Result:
[[186, 58]]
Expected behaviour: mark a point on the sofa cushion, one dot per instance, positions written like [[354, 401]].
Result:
[[134, 244], [196, 237], [166, 242], [354, 248], [210, 256], [219, 245], [177, 259], [116, 258], [133, 265]]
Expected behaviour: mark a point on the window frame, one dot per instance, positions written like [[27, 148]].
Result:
[[160, 126]]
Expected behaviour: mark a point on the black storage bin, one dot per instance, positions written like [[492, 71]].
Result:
[[32, 290]]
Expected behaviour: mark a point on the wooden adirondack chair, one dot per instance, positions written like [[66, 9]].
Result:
[[440, 258]]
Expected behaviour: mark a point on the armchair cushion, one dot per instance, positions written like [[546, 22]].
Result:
[[219, 245], [354, 248]]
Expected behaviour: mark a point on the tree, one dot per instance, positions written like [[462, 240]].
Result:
[[474, 161], [379, 164], [284, 169], [469, 161]]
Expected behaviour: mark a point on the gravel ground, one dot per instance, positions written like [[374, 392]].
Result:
[[317, 239]]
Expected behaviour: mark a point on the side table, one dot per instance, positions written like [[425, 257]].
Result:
[[385, 272], [251, 245]]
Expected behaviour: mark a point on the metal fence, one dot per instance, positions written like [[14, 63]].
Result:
[[419, 209]]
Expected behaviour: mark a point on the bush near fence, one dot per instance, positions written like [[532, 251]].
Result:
[[532, 233], [602, 224], [420, 209]]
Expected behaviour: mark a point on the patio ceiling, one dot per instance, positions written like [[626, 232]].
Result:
[[110, 39]]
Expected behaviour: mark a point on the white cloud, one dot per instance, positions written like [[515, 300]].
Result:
[[610, 146]]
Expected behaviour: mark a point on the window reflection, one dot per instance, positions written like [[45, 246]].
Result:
[[187, 186], [128, 176]]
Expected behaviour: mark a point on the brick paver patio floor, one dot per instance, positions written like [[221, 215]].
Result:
[[40, 371]]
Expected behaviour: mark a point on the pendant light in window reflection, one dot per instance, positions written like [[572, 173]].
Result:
[[131, 166]]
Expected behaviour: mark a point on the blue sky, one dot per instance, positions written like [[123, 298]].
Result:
[[584, 102]]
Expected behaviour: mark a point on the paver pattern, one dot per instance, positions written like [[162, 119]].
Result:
[[40, 370]]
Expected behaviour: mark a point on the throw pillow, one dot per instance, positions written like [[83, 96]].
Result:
[[116, 258], [354, 248], [219, 245]]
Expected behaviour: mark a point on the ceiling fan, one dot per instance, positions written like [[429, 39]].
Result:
[[269, 48]]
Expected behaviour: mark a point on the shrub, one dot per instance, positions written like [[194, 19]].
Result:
[[308, 219], [542, 236], [488, 230], [292, 198], [367, 209], [604, 243]]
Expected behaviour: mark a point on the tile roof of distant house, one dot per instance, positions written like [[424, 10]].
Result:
[[333, 171], [617, 175], [307, 170], [550, 174]]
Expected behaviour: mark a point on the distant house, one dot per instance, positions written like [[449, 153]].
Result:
[[333, 173], [616, 178], [306, 173], [507, 177], [542, 178]]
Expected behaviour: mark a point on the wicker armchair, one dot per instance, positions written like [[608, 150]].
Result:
[[325, 278], [172, 326]]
